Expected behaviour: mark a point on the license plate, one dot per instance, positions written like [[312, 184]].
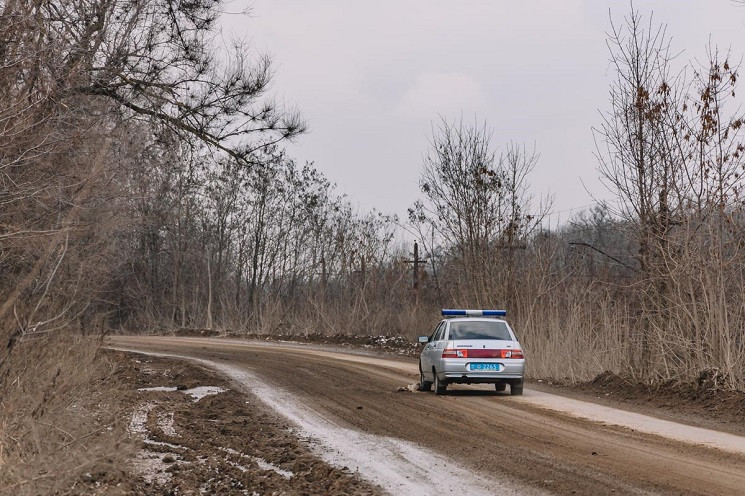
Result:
[[485, 366]]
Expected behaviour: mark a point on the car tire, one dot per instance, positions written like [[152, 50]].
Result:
[[516, 388], [500, 386], [440, 386], [424, 385]]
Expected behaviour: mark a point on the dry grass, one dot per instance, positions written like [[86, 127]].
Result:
[[59, 416]]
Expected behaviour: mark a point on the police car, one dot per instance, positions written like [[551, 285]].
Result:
[[472, 347]]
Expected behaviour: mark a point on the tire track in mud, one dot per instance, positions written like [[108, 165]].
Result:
[[483, 430]]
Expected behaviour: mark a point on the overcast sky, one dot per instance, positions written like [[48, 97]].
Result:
[[372, 77]]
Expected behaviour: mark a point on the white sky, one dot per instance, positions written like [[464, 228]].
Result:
[[371, 78]]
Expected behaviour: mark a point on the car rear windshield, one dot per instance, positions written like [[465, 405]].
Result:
[[480, 330]]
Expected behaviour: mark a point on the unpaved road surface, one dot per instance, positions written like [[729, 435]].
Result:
[[519, 445]]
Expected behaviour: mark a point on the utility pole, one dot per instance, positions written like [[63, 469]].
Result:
[[324, 276], [417, 262]]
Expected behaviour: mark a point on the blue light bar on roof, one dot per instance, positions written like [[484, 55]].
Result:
[[449, 312]]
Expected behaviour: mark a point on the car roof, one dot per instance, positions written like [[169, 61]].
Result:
[[471, 319]]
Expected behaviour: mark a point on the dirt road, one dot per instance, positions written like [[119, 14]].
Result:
[[495, 437]]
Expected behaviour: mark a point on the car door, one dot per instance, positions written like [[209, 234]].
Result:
[[427, 353], [438, 344]]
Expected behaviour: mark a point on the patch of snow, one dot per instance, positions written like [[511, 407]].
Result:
[[238, 466], [166, 389], [263, 464], [165, 424], [197, 393], [200, 392], [152, 467], [148, 463], [153, 442], [138, 424]]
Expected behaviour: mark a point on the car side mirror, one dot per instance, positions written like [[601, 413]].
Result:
[[424, 339]]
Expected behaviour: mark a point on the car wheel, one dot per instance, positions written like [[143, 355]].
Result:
[[440, 386], [500, 386], [516, 388], [424, 385]]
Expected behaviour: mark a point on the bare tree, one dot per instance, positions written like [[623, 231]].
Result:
[[672, 152], [478, 202], [635, 154]]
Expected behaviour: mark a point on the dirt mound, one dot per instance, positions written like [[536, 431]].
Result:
[[610, 380], [190, 332], [712, 380], [397, 345]]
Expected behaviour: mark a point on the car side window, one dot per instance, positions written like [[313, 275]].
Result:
[[439, 332]]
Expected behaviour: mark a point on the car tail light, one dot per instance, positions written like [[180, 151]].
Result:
[[477, 353]]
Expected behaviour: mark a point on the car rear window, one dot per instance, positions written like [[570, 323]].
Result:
[[479, 330]]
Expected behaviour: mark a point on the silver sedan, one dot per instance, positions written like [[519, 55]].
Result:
[[472, 350]]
